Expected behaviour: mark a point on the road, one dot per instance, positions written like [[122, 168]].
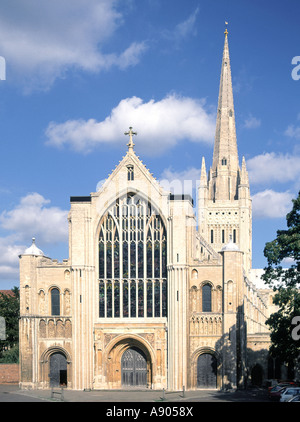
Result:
[[12, 393]]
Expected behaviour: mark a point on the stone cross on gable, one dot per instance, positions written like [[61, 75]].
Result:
[[130, 143]]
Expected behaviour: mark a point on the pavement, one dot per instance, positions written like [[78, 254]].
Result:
[[12, 393]]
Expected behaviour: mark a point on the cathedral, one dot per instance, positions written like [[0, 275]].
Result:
[[151, 296]]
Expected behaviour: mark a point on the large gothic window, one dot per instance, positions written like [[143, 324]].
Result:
[[132, 261]]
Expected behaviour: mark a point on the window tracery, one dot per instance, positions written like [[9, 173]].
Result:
[[132, 261]]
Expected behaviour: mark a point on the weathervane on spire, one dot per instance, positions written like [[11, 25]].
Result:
[[226, 32], [130, 143]]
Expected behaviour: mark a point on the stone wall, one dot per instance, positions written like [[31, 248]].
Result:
[[9, 373]]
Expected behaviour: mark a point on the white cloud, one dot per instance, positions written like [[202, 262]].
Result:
[[161, 123], [183, 29], [271, 204], [180, 182], [252, 122], [32, 217], [131, 56], [41, 40], [9, 258], [288, 261], [272, 167], [9, 251], [293, 131]]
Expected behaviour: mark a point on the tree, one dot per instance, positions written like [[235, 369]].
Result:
[[286, 283], [10, 311]]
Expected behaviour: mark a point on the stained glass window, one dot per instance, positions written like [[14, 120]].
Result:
[[132, 261], [133, 298], [117, 298], [141, 298], [149, 298], [101, 300], [157, 301], [125, 299], [109, 299]]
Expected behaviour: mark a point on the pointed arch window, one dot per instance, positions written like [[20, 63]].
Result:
[[224, 162], [132, 261], [130, 172]]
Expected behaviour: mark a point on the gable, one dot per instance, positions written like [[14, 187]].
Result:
[[131, 176]]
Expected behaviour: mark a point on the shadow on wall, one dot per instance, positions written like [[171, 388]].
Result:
[[241, 366]]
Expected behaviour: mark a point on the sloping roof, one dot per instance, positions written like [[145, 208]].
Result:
[[7, 292]]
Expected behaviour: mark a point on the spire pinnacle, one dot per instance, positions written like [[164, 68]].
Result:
[[226, 32], [244, 173], [203, 176]]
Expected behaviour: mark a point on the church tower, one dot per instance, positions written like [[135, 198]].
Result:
[[225, 210]]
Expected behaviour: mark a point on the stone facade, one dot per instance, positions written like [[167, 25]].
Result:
[[149, 297]]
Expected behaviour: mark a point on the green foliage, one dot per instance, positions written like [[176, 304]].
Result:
[[10, 311], [10, 355], [283, 345], [286, 245], [286, 283]]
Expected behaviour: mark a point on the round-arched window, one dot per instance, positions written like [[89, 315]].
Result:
[[55, 302], [206, 298]]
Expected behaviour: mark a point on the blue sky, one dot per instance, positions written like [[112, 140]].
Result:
[[79, 73]]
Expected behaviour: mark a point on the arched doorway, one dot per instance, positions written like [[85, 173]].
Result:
[[257, 375], [206, 371], [134, 368], [58, 370]]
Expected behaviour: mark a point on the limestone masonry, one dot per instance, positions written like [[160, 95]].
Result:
[[149, 297]]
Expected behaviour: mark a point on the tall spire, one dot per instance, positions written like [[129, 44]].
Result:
[[225, 157], [224, 203], [225, 137]]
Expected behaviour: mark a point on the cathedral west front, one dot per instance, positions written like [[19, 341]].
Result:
[[150, 296]]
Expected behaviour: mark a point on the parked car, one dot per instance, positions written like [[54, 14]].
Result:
[[276, 392], [289, 393], [295, 399], [284, 384]]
